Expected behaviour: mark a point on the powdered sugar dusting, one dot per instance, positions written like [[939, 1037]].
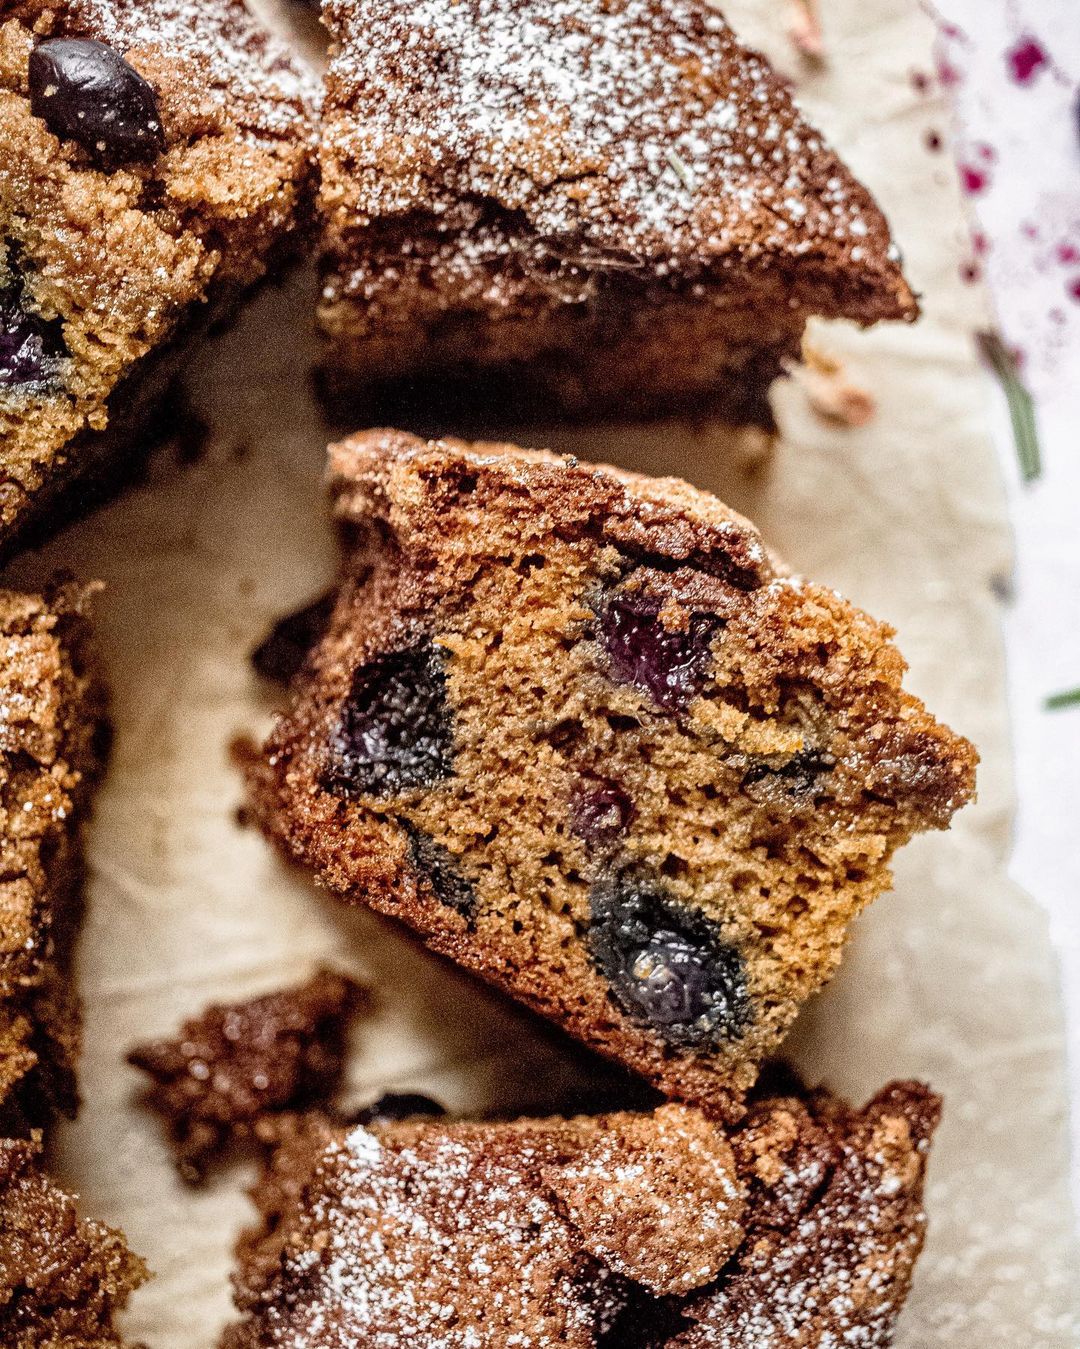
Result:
[[641, 129], [482, 1236]]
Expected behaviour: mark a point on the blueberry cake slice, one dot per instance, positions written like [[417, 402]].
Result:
[[52, 743], [63, 1277], [587, 208], [580, 730], [798, 1227], [156, 160]]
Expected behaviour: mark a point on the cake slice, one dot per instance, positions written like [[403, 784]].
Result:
[[609, 207], [52, 742], [800, 1227], [63, 1277], [156, 161], [580, 730]]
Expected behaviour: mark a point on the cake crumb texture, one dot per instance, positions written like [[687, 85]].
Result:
[[52, 746], [62, 1277]]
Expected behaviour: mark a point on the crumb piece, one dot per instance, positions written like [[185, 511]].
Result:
[[804, 27], [236, 1064], [628, 1195], [831, 394]]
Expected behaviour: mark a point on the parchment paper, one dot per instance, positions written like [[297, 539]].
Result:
[[950, 978]]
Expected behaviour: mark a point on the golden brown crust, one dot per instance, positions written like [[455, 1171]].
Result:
[[62, 1277], [756, 818], [128, 259], [800, 1227], [52, 742], [609, 205]]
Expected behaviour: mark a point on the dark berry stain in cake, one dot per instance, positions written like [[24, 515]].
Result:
[[669, 968], [600, 811], [439, 865], [30, 348], [398, 1105], [800, 776], [282, 652], [669, 664], [85, 91], [394, 732]]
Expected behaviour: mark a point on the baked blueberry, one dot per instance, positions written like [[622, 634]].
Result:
[[599, 810], [85, 91], [398, 1105], [442, 871], [394, 731], [668, 966], [670, 664], [30, 347]]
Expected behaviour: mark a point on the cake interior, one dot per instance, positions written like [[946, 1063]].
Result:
[[645, 798]]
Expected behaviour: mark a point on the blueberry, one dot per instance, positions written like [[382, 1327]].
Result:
[[669, 664], [30, 348], [282, 652], [798, 777], [398, 1105], [599, 810], [85, 91], [393, 732], [438, 864], [668, 966]]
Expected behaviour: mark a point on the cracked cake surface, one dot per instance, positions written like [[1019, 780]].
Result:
[[52, 743], [798, 1227], [580, 731], [579, 206], [157, 159]]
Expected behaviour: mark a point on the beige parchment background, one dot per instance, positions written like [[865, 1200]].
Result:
[[950, 978]]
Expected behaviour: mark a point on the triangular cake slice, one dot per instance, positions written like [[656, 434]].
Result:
[[579, 730], [605, 207], [799, 1227]]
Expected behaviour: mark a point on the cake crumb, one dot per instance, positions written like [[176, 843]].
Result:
[[238, 1063]]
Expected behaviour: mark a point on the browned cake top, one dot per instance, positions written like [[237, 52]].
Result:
[[403, 480], [569, 1232], [62, 1276], [626, 134], [51, 710], [237, 1063]]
